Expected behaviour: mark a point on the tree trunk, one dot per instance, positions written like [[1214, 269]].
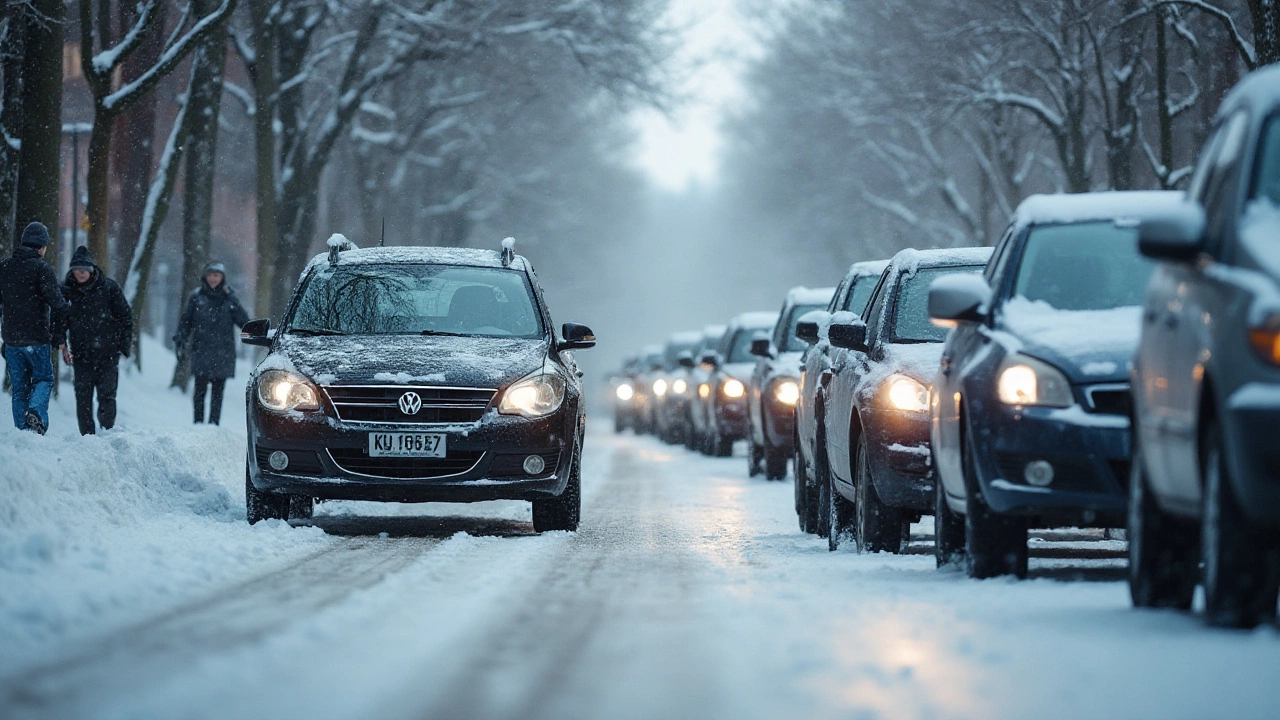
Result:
[[97, 185], [1162, 98], [1266, 30], [12, 52], [264, 90], [39, 168]]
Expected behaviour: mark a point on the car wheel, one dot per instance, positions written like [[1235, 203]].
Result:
[[619, 425], [775, 462], [1241, 568], [995, 544], [877, 526], [948, 527], [841, 518], [755, 456], [301, 507], [801, 489], [1163, 552], [563, 511], [821, 488], [721, 446], [259, 505]]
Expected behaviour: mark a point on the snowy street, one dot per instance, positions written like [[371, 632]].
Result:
[[687, 592]]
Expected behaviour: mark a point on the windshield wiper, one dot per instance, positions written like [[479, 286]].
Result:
[[442, 332], [315, 331]]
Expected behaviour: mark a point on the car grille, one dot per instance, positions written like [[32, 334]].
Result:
[[357, 461], [381, 403], [1111, 399]]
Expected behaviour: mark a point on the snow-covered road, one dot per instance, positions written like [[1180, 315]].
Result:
[[688, 592]]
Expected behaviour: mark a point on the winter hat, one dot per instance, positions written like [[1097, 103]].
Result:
[[214, 267], [82, 259], [35, 235]]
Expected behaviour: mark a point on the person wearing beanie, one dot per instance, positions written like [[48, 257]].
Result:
[[207, 329], [101, 328], [29, 300]]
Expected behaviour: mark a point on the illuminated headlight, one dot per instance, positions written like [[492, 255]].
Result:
[[534, 396], [908, 394], [1265, 339], [1026, 381], [281, 390], [679, 387], [704, 391], [659, 387], [787, 392], [733, 388], [625, 392]]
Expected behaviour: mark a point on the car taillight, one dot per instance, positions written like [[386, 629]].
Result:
[[1266, 341]]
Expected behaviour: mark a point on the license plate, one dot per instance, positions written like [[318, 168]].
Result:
[[406, 445]]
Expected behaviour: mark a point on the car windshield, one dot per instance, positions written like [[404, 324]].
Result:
[[416, 299], [671, 355], [1083, 266], [1267, 184], [740, 348], [911, 312], [860, 294], [791, 343]]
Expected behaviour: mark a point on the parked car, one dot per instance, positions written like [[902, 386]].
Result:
[[623, 384], [699, 422], [851, 296], [727, 401], [648, 373], [1206, 377], [871, 463], [672, 389], [416, 375], [775, 385], [1030, 410]]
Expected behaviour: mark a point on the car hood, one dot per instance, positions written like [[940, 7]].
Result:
[[739, 371], [787, 364], [918, 361], [1089, 346], [404, 359]]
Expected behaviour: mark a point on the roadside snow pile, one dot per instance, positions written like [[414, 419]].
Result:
[[103, 529]]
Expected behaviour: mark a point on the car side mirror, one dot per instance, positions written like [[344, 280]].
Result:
[[256, 332], [710, 359], [850, 335], [808, 324], [1177, 234], [576, 337], [761, 346], [959, 298], [685, 359]]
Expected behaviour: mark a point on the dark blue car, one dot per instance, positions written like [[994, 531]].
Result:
[[1030, 410]]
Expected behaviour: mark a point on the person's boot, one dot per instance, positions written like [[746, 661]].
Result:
[[34, 423]]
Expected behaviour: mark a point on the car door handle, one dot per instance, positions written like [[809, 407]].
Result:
[[945, 363]]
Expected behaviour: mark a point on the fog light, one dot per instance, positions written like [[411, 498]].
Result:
[[278, 460], [1038, 473], [534, 464]]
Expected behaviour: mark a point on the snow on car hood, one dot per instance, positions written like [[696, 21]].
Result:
[[919, 361], [1090, 346], [404, 359], [739, 371], [787, 364]]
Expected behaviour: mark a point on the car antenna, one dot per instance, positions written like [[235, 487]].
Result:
[[382, 242]]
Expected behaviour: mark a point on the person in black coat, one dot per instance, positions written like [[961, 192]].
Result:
[[29, 299], [209, 321], [101, 328]]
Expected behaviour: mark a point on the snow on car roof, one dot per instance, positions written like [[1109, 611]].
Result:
[[714, 331], [757, 320], [802, 295], [1084, 207], [867, 267], [1260, 89], [909, 260], [688, 337], [416, 255]]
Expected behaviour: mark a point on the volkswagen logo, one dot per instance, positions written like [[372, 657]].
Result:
[[410, 403]]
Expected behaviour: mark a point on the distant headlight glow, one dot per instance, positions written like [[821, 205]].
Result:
[[704, 391], [679, 387], [625, 392], [659, 387], [733, 388], [282, 390], [787, 392], [534, 396], [908, 394]]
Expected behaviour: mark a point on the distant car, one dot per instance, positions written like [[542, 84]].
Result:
[[775, 385], [416, 375], [1030, 410], [699, 422], [851, 296], [623, 383], [872, 464], [672, 390], [1206, 377], [648, 371], [727, 396]]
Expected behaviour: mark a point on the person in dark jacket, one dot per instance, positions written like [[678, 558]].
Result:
[[28, 294], [101, 328], [212, 315]]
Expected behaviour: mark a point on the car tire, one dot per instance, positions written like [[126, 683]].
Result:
[[755, 456], [841, 517], [1241, 567], [301, 507], [260, 505], [565, 510], [995, 544], [619, 425], [948, 527], [801, 489], [821, 487], [721, 446], [775, 462], [1163, 552], [877, 527]]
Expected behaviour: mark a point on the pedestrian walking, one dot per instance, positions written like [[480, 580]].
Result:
[[207, 329], [29, 295], [100, 325]]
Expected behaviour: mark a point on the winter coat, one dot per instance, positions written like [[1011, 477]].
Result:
[[208, 326], [99, 321], [28, 292]]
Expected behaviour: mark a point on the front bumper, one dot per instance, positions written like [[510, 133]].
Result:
[[899, 459], [731, 417], [329, 459], [1089, 452], [1253, 455]]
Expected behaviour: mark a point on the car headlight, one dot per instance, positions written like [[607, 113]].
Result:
[[787, 392], [1266, 339], [534, 396], [704, 391], [733, 388], [907, 394], [659, 387], [625, 392], [282, 390], [679, 387], [1026, 381]]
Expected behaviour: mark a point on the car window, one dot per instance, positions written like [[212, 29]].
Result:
[[860, 294], [911, 305], [1000, 257], [789, 342], [740, 346], [1195, 189], [1083, 266], [1266, 182], [415, 299]]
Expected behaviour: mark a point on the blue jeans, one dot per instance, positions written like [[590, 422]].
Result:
[[31, 376]]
